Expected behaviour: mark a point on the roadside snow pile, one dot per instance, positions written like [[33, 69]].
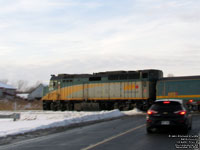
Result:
[[35, 120], [133, 112]]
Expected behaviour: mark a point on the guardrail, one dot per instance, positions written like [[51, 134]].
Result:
[[15, 116]]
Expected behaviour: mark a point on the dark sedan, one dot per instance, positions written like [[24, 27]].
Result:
[[168, 113]]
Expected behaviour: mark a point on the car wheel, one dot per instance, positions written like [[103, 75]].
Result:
[[149, 131], [185, 130], [190, 127]]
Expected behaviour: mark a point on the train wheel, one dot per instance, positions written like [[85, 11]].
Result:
[[70, 106], [53, 106], [44, 106], [63, 107], [67, 106], [102, 106]]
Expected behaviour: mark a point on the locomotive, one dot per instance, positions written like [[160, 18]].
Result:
[[109, 90], [123, 90]]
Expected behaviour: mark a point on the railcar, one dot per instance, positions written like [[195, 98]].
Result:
[[186, 88], [122, 90]]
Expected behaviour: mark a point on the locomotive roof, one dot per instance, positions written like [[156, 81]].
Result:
[[181, 78], [66, 76], [99, 74], [125, 72]]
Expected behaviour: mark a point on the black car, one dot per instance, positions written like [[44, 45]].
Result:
[[168, 113]]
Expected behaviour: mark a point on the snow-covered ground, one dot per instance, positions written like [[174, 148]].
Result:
[[35, 120]]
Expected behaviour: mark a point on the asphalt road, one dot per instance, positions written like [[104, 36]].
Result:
[[127, 133]]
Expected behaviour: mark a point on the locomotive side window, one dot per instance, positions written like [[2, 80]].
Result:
[[113, 77], [145, 75], [95, 79], [123, 76], [134, 76], [67, 80]]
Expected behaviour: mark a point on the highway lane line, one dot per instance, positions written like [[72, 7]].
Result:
[[113, 137]]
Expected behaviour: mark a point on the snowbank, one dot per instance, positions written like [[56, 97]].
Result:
[[35, 120], [133, 112]]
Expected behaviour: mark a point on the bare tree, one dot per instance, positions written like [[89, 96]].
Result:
[[21, 85], [33, 87]]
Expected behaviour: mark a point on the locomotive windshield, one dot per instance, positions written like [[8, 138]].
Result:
[[52, 85]]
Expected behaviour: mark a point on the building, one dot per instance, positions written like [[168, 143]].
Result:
[[7, 91], [37, 93]]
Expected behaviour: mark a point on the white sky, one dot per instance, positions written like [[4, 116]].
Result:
[[43, 37]]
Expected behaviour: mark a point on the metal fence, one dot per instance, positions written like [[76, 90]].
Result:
[[14, 116]]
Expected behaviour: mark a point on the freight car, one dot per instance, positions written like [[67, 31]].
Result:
[[102, 91], [186, 88]]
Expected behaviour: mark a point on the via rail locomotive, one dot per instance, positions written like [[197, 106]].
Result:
[[102, 91], [122, 90]]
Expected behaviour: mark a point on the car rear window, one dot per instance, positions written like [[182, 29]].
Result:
[[172, 106]]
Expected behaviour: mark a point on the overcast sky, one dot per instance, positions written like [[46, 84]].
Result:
[[43, 37]]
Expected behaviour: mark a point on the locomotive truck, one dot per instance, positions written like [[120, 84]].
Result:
[[122, 90]]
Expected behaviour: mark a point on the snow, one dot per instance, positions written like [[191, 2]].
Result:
[[24, 95], [35, 120], [133, 112]]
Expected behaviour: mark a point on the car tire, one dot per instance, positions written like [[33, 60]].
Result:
[[149, 131], [190, 127], [185, 130]]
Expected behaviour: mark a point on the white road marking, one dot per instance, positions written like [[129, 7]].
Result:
[[113, 137]]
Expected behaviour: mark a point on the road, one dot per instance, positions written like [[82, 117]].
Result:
[[128, 133]]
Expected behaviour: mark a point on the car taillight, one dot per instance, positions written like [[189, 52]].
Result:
[[191, 100], [151, 112], [166, 102], [180, 112]]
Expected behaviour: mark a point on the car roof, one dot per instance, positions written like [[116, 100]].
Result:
[[171, 100]]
